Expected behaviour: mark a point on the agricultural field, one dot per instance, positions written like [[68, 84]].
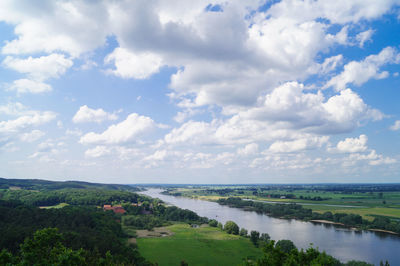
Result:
[[197, 246], [368, 201]]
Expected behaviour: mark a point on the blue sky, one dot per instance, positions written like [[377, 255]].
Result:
[[200, 91]]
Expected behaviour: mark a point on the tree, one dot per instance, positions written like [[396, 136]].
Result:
[[231, 228], [6, 258], [46, 249], [243, 232], [213, 223], [254, 236], [265, 237], [220, 226], [285, 245]]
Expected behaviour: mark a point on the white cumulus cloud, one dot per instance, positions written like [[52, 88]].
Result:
[[86, 114], [132, 65], [126, 131], [22, 86], [360, 72], [352, 145]]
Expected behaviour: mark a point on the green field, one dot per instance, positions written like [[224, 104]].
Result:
[[197, 246], [369, 204], [58, 206]]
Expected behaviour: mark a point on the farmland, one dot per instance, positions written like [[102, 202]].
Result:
[[369, 201]]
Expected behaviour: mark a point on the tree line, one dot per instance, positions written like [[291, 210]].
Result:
[[299, 212]]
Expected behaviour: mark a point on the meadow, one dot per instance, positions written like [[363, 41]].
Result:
[[197, 246]]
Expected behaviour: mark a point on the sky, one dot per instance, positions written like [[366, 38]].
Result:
[[177, 91]]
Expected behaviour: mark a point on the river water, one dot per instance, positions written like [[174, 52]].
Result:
[[341, 243]]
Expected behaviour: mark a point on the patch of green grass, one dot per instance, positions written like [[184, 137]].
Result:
[[58, 206], [197, 246], [371, 213]]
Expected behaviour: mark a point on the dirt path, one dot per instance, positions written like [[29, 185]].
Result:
[[157, 232]]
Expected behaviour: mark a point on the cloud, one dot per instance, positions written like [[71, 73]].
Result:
[[289, 116], [372, 158], [360, 72], [40, 68], [352, 145], [193, 132], [131, 65], [364, 37], [86, 114], [249, 149], [126, 131], [331, 63], [47, 150], [73, 132], [340, 12], [29, 86], [32, 136], [97, 151], [290, 107], [298, 145], [35, 118], [11, 108], [395, 126], [55, 26]]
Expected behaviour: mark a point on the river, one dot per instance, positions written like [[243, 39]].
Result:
[[341, 243]]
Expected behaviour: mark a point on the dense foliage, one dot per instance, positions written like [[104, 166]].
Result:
[[297, 211], [95, 231], [285, 253], [158, 215]]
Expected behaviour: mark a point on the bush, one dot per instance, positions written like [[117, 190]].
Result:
[[213, 223], [285, 245], [231, 228]]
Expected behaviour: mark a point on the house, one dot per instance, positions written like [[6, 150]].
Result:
[[116, 209], [119, 209], [107, 208]]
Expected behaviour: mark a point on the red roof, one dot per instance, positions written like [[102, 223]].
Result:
[[116, 209]]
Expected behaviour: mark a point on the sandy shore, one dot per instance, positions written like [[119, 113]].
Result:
[[383, 231], [326, 222]]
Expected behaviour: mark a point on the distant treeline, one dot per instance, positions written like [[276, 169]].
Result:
[[71, 196], [37, 184], [299, 212]]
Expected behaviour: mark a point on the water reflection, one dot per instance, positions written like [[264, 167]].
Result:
[[341, 243]]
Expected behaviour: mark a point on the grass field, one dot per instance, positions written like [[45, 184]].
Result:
[[197, 246]]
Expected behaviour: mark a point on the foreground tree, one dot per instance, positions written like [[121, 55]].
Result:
[[45, 248]]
